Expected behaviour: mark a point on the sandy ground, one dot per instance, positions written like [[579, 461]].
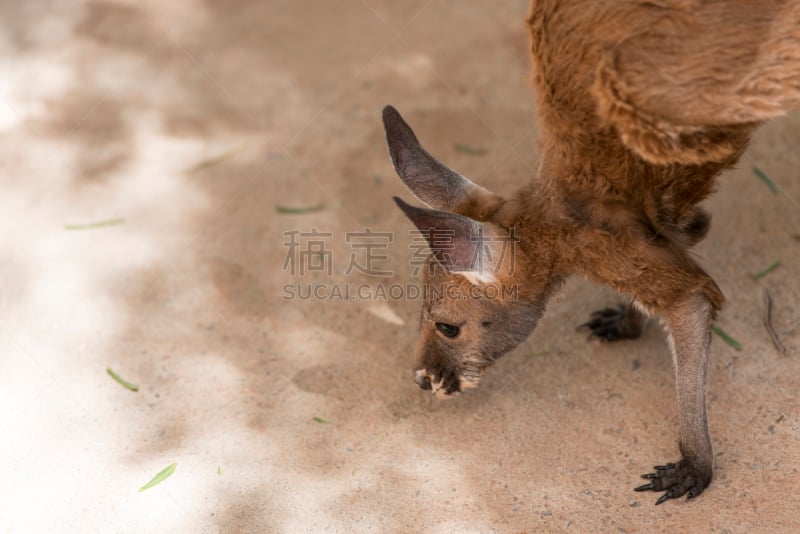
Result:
[[192, 121]]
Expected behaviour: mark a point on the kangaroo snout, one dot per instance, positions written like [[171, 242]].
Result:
[[442, 386], [422, 379]]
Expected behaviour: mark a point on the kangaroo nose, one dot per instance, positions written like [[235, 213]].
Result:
[[423, 381]]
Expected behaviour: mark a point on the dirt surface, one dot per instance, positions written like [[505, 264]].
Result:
[[192, 122]]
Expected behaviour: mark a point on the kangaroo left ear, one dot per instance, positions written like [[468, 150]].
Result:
[[458, 243], [429, 180]]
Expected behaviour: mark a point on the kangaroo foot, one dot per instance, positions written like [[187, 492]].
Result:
[[611, 324], [677, 480]]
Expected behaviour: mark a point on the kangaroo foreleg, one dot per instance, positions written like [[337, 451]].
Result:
[[689, 322], [611, 324]]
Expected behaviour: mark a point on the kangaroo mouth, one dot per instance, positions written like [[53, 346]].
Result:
[[442, 386], [440, 391]]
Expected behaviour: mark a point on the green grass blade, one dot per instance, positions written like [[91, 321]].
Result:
[[160, 477], [471, 150], [320, 420], [98, 224], [726, 338], [766, 179], [286, 210], [125, 383], [216, 160], [766, 270]]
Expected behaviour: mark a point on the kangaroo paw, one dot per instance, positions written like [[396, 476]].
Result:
[[612, 324], [676, 480]]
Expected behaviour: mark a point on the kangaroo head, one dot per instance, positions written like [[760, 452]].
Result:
[[485, 288]]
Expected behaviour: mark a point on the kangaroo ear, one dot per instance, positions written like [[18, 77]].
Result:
[[457, 242], [430, 181]]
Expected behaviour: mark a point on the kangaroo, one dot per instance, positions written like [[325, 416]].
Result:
[[642, 105]]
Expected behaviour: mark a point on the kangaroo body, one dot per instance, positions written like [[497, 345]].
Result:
[[641, 105]]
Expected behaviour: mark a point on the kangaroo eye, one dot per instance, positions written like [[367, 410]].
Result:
[[448, 330]]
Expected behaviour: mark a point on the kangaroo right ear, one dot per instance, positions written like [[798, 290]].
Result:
[[430, 181]]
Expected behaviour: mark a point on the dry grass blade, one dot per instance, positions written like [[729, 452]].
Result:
[[160, 477], [766, 179], [726, 338], [216, 160], [122, 381], [98, 224], [768, 324]]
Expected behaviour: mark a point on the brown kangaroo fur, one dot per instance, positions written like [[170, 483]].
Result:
[[642, 105]]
